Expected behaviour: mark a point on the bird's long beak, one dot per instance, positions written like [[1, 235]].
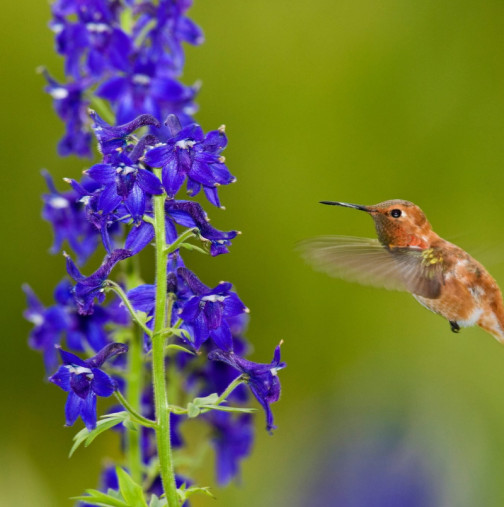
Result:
[[348, 205]]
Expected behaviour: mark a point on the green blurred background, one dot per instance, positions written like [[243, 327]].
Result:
[[352, 100]]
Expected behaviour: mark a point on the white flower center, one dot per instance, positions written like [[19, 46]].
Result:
[[214, 298], [77, 370], [37, 319], [141, 79], [98, 27], [185, 144], [59, 93], [59, 202]]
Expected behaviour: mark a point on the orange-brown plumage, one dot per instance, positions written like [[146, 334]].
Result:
[[409, 255]]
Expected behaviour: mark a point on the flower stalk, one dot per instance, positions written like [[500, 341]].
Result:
[[161, 318]]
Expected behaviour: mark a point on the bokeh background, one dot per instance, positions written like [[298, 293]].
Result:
[[352, 100]]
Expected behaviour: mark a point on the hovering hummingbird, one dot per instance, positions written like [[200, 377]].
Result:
[[408, 255]]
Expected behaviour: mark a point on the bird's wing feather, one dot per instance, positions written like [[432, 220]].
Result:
[[368, 262]]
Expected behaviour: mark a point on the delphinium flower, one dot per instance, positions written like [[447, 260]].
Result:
[[84, 380], [115, 333]]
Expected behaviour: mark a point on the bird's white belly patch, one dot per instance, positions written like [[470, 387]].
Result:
[[473, 318]]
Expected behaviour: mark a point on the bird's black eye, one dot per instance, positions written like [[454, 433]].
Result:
[[396, 213]]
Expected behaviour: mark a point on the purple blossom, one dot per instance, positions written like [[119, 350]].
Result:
[[145, 88], [189, 154], [191, 214], [71, 107], [84, 380], [125, 182], [68, 219], [93, 286], [208, 310], [92, 45], [63, 320], [261, 378], [232, 438]]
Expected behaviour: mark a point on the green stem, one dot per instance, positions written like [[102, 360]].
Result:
[[134, 380], [127, 303], [136, 416], [161, 317], [181, 239]]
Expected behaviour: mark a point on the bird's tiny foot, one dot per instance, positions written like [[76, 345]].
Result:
[[454, 326]]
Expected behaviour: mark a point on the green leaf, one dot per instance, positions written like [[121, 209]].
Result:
[[85, 436], [192, 410], [157, 502], [184, 493], [190, 247], [247, 410], [95, 497], [130, 490], [173, 346], [211, 399]]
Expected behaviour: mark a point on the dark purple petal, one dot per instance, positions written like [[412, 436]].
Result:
[[193, 281], [143, 297], [233, 306], [212, 195], [148, 182], [139, 237], [71, 359], [80, 383], [213, 314], [191, 309], [73, 270], [222, 337], [159, 156], [61, 378], [102, 173], [135, 203], [73, 408], [172, 177], [102, 384], [109, 199], [88, 411]]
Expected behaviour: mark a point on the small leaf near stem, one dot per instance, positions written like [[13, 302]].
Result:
[[127, 303], [136, 417], [189, 233]]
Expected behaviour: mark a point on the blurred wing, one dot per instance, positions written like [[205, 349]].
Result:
[[367, 262]]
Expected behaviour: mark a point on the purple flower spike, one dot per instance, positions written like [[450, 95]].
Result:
[[261, 378], [87, 289], [208, 310], [83, 380]]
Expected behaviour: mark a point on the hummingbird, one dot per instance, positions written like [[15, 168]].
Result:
[[409, 256]]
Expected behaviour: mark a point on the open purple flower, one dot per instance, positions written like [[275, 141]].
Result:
[[189, 154], [68, 219], [146, 88], [71, 107], [261, 378], [208, 309], [124, 181], [84, 380], [93, 286]]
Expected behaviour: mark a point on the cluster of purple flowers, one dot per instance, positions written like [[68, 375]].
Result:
[[130, 55]]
